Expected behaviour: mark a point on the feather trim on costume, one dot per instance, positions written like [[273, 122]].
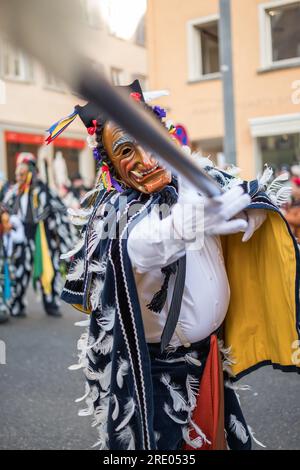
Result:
[[98, 267], [265, 178], [116, 411], [76, 270], [95, 293], [123, 367], [83, 323], [87, 391], [95, 237], [190, 359], [179, 402], [129, 410], [227, 359], [101, 412], [192, 387], [252, 434], [106, 320], [76, 249], [89, 410], [200, 433], [105, 346], [105, 377], [168, 411], [126, 438], [278, 192], [196, 443], [102, 442], [238, 429]]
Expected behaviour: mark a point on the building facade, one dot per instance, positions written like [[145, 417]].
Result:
[[185, 56], [31, 99]]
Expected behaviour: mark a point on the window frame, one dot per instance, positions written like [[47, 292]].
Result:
[[26, 65], [195, 68], [266, 59]]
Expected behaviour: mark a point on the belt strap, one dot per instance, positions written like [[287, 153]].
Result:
[[175, 307]]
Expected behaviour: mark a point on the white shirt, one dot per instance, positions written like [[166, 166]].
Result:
[[206, 293]]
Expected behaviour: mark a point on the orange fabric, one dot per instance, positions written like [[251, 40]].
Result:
[[209, 411]]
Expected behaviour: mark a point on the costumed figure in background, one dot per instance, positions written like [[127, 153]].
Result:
[[172, 324], [47, 235], [11, 233], [4, 185]]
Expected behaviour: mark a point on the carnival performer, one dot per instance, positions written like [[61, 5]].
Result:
[[11, 233], [182, 302], [47, 235]]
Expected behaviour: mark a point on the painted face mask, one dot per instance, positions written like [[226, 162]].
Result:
[[5, 223], [135, 166], [21, 173]]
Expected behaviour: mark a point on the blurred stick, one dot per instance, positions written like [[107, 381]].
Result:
[[50, 32]]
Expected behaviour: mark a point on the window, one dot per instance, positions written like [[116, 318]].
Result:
[[280, 150], [280, 32], [93, 13], [116, 76], [14, 64], [203, 48], [54, 83]]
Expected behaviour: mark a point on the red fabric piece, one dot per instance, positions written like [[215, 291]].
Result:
[[209, 411]]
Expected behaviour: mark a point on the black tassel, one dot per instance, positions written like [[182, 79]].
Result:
[[159, 299]]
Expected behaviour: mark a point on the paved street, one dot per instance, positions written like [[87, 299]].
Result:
[[38, 391]]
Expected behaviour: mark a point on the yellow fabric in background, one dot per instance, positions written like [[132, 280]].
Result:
[[48, 271], [261, 321]]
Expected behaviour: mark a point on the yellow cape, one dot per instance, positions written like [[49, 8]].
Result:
[[261, 323]]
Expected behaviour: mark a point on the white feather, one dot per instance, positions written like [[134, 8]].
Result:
[[199, 432], [129, 410], [265, 177], [179, 402], [123, 367], [115, 413], [155, 94], [126, 438], [83, 323], [80, 212], [101, 412], [105, 346], [168, 411], [192, 360], [192, 387], [102, 442], [105, 377], [283, 196], [77, 247], [98, 267], [95, 237], [76, 270], [89, 410], [106, 320], [91, 374], [95, 293], [195, 443], [89, 194], [238, 429], [87, 391], [252, 434]]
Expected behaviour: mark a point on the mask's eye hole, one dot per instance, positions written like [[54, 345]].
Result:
[[126, 150]]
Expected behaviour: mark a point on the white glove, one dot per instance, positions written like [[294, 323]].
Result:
[[256, 218], [195, 214]]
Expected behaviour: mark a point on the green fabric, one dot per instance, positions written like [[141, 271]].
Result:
[[38, 258]]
